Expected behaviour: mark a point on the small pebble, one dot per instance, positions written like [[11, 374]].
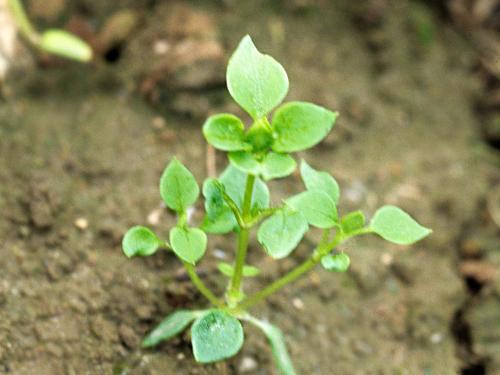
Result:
[[161, 47], [155, 216], [158, 122], [298, 303], [219, 254], [248, 364], [181, 356], [436, 338], [81, 223], [386, 259]]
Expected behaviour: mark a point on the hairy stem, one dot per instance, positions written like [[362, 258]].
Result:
[[319, 252], [241, 252], [200, 285]]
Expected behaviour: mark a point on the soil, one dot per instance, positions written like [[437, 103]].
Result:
[[82, 149]]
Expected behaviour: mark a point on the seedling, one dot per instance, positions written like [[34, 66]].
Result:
[[238, 201], [54, 41]]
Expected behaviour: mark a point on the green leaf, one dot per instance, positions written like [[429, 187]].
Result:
[[352, 222], [214, 200], [317, 207], [319, 180], [228, 270], [189, 244], [140, 241], [223, 223], [62, 43], [178, 187], [234, 182], [278, 345], [272, 166], [336, 262], [299, 125], [257, 82], [216, 336], [226, 132], [219, 218], [245, 162], [282, 232], [171, 326], [277, 166], [394, 225]]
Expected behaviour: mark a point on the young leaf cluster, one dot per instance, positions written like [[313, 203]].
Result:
[[239, 201]]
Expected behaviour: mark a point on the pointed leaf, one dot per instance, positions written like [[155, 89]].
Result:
[[281, 233], [317, 207], [395, 225], [140, 241], [300, 125], [226, 132], [234, 182], [278, 345], [178, 187], [62, 43], [336, 262], [319, 180], [352, 222], [219, 218], [216, 336], [224, 222], [189, 244], [257, 82], [228, 270], [171, 326]]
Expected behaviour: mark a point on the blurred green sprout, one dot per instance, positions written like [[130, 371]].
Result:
[[53, 41], [239, 201]]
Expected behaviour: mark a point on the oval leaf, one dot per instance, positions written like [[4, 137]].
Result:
[[317, 207], [140, 241], [257, 82], [336, 262], [319, 180], [62, 43], [245, 162], [299, 125], [352, 222], [394, 225], [277, 165], [226, 132], [281, 233], [171, 326], [216, 336], [228, 270], [189, 244], [178, 187]]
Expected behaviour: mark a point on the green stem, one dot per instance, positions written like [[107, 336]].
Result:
[[236, 211], [319, 252], [200, 285], [23, 21], [241, 252]]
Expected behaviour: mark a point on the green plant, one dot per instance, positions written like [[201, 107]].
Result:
[[54, 41], [238, 201]]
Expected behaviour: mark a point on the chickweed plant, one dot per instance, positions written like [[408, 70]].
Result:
[[54, 41], [238, 201]]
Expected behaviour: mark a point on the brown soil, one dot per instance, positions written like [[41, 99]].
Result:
[[81, 152]]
